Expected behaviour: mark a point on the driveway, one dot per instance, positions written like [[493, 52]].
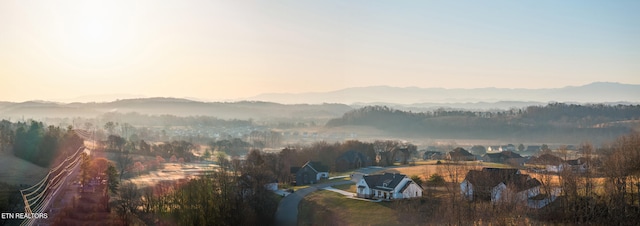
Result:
[[287, 213], [343, 192]]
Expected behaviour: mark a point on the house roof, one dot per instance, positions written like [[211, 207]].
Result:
[[387, 181], [488, 178], [430, 153], [504, 154], [578, 161], [523, 182], [547, 159], [317, 166], [406, 185], [460, 152]]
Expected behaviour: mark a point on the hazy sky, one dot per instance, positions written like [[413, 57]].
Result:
[[232, 49]]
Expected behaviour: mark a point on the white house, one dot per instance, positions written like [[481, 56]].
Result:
[[579, 165], [550, 162], [388, 186], [519, 189], [499, 185]]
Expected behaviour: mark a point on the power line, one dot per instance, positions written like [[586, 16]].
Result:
[[38, 199]]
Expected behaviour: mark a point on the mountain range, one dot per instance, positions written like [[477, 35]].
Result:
[[172, 106], [333, 104], [597, 92]]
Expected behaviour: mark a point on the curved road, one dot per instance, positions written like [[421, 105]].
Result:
[[287, 213]]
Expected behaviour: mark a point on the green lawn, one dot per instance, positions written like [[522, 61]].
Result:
[[335, 174], [330, 208], [346, 187], [334, 180], [295, 188]]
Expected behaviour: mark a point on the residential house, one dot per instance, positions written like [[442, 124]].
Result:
[[432, 155], [352, 160], [499, 185], [551, 163], [531, 150], [505, 157], [310, 173], [579, 165], [459, 154], [494, 149], [388, 186]]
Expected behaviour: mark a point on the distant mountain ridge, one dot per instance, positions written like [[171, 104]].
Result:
[[591, 93], [172, 106]]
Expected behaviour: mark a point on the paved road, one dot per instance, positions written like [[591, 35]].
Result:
[[287, 213]]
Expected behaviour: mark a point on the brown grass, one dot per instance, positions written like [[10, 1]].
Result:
[[446, 170]]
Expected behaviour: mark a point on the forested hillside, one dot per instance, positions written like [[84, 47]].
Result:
[[37, 143], [556, 121]]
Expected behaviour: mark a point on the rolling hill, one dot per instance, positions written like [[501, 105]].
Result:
[[591, 93]]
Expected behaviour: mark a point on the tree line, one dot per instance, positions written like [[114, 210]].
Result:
[[379, 152], [555, 121], [37, 143], [233, 195]]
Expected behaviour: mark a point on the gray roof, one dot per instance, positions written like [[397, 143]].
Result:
[[488, 178], [503, 154], [547, 159], [386, 181], [460, 152], [317, 166]]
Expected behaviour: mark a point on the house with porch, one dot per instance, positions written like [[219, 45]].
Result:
[[388, 186]]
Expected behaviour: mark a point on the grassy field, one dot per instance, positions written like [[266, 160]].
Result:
[[330, 208], [15, 171], [346, 187], [335, 174], [446, 170], [435, 208]]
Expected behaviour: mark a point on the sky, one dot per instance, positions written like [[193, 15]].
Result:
[[224, 50]]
